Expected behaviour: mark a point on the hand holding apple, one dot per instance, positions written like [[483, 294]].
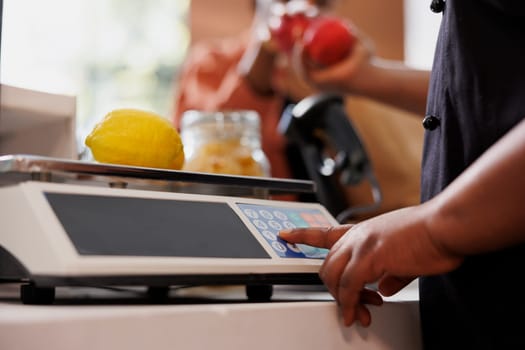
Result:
[[327, 41]]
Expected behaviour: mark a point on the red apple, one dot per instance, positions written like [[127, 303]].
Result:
[[327, 41]]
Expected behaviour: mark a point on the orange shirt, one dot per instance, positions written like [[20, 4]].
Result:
[[209, 81]]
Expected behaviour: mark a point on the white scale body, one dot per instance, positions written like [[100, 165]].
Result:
[[59, 234]]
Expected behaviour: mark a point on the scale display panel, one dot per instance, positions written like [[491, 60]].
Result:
[[108, 225], [127, 226]]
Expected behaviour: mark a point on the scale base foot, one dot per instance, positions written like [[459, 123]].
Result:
[[158, 294], [31, 294], [259, 293]]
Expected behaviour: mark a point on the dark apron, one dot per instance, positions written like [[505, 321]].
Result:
[[477, 94]]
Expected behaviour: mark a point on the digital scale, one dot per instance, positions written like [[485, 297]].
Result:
[[62, 225]]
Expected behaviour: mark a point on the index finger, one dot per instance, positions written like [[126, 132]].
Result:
[[322, 237]]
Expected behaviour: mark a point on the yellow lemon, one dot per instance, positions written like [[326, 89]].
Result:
[[138, 138]]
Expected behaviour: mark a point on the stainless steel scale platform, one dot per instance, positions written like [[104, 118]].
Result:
[[74, 223]]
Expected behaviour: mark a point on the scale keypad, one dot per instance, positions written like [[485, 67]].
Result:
[[269, 220]]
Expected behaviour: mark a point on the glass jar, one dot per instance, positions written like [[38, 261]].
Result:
[[225, 142]]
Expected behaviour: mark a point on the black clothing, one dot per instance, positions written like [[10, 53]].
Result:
[[477, 94]]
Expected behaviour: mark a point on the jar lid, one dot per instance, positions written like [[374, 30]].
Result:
[[245, 118]]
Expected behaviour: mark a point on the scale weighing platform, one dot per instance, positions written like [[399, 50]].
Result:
[[62, 225]]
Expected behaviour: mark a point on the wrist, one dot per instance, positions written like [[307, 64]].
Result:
[[393, 83], [441, 226], [441, 249], [368, 81], [256, 65]]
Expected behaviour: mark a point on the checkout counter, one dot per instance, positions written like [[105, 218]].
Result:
[[294, 319]]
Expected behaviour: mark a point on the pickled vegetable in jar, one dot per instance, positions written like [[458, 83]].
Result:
[[224, 142]]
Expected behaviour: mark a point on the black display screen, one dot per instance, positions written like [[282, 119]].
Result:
[[107, 225]]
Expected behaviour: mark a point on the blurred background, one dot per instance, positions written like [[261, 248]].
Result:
[[115, 53]]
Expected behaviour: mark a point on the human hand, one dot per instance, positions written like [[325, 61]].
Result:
[[353, 74], [287, 82], [391, 249], [277, 28], [258, 59]]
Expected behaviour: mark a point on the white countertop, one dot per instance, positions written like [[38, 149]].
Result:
[[203, 318]]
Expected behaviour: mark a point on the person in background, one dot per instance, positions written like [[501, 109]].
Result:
[[247, 71], [466, 241], [243, 72]]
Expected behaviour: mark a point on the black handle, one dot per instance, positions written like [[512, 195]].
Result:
[[332, 151]]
